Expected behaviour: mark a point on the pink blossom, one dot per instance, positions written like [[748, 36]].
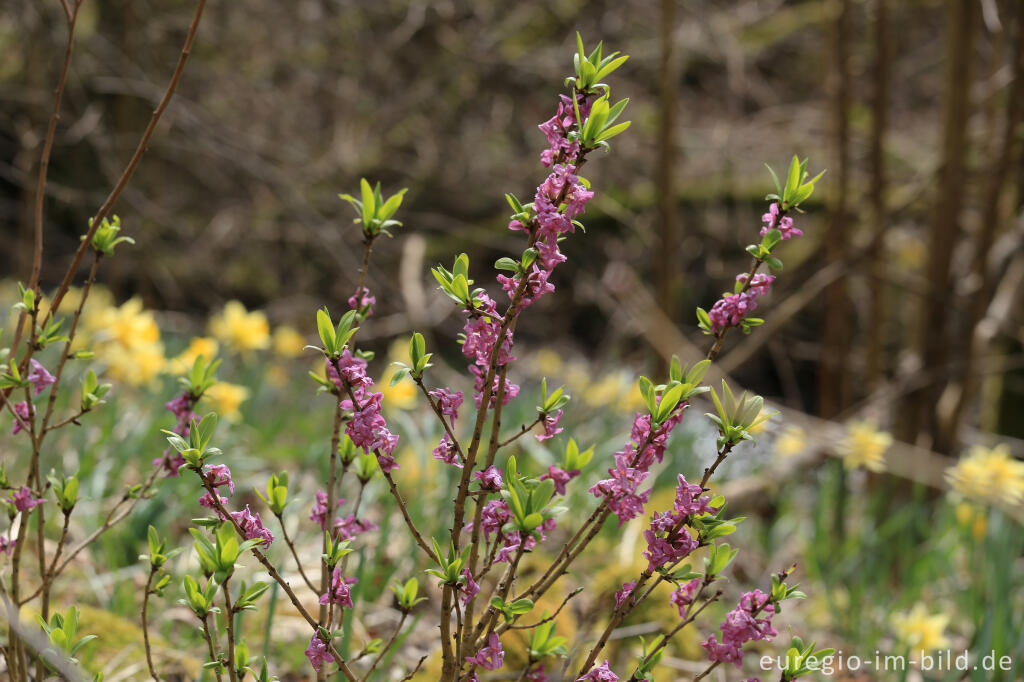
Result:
[[340, 591], [320, 512], [784, 224], [742, 625], [39, 377], [537, 674], [317, 652], [252, 526], [24, 499], [551, 427], [491, 657], [25, 413], [219, 475], [448, 402], [560, 477], [362, 300], [685, 595], [601, 673], [446, 452], [351, 527], [5, 545], [490, 478], [470, 589], [624, 593]]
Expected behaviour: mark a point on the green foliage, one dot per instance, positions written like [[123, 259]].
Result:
[[62, 632], [591, 69], [373, 211], [92, 391], [528, 499], [734, 418], [406, 594], [106, 238], [334, 339], [195, 450], [543, 643], [277, 493], [510, 610], [555, 401]]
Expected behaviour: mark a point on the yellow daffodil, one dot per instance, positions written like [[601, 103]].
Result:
[[199, 345], [864, 446], [226, 399], [239, 329], [547, 362], [791, 441], [138, 365], [921, 631], [288, 342], [988, 475]]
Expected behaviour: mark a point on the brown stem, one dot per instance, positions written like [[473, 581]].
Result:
[[295, 555], [153, 570], [229, 617], [387, 647], [209, 644], [133, 163]]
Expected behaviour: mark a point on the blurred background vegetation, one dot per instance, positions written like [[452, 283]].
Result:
[[899, 316]]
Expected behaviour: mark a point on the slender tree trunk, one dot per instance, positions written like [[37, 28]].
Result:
[[666, 257], [962, 392], [832, 376], [879, 217], [933, 326]]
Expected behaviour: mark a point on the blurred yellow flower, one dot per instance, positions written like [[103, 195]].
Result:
[[919, 630], [968, 515], [226, 399], [129, 326], [288, 342], [633, 399], [277, 376], [239, 329], [604, 391], [199, 345], [547, 362], [987, 475], [126, 338], [792, 441], [138, 365], [864, 446]]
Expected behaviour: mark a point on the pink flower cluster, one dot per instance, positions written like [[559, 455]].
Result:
[[183, 410], [446, 452], [685, 595], [490, 478], [668, 541], [551, 427], [367, 428], [448, 402], [560, 477], [218, 476], [624, 593], [362, 301], [252, 526], [557, 128], [39, 377], [349, 527], [491, 657], [601, 673], [24, 499], [730, 310], [470, 589], [632, 465], [319, 513], [340, 591], [742, 625], [772, 219], [317, 652], [24, 412]]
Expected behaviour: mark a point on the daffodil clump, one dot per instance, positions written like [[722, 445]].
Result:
[[864, 446], [988, 476]]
